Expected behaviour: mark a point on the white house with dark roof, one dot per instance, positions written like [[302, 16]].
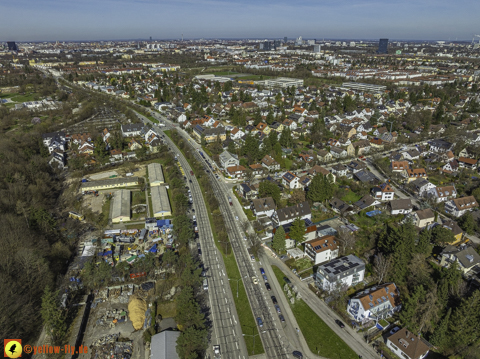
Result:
[[228, 160], [289, 214], [132, 130], [290, 180], [345, 271], [263, 207], [407, 345]]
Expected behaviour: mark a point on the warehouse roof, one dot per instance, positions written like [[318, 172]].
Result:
[[164, 345], [111, 182], [160, 200], [155, 173], [121, 204]]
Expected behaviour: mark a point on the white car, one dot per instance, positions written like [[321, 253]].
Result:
[[236, 217]]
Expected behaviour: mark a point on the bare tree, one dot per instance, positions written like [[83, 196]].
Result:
[[381, 267], [347, 240]]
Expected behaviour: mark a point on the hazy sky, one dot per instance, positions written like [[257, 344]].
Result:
[[35, 20]]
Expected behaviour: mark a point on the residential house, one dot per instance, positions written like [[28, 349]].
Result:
[[411, 155], [236, 171], [257, 169], [57, 159], [227, 160], [407, 345], [399, 166], [79, 138], [375, 303], [400, 206], [132, 130], [247, 191], [290, 180], [55, 141], [340, 272], [376, 143], [440, 146], [289, 214], [459, 206], [423, 218], [236, 134], [466, 258], [413, 174], [270, 164], [367, 177], [338, 152], [263, 207], [134, 145], [326, 230], [421, 186], [356, 166], [340, 206], [442, 194], [361, 148], [324, 156], [468, 163], [310, 232], [209, 134], [451, 166], [319, 169], [384, 192], [454, 228], [321, 249], [340, 170], [365, 202]]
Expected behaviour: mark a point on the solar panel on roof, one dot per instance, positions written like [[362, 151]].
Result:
[[317, 247]]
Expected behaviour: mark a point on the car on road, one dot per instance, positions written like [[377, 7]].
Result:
[[283, 257], [274, 300], [340, 323], [236, 217], [199, 252], [297, 354], [394, 330], [262, 271], [259, 322], [252, 258], [282, 318], [198, 245], [277, 308], [268, 286], [190, 181], [265, 278], [244, 238]]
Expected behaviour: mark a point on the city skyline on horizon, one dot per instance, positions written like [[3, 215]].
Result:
[[108, 20]]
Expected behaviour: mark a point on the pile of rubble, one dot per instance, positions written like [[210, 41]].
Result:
[[112, 317], [108, 347], [121, 294]]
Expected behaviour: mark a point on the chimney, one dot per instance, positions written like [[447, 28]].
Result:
[[407, 334]]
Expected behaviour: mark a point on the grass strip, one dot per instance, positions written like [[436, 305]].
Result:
[[321, 339], [245, 315]]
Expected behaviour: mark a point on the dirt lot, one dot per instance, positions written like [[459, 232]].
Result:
[[103, 175], [93, 202]]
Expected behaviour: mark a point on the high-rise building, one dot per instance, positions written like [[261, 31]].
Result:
[[12, 46], [382, 46], [285, 39], [299, 41], [150, 39], [317, 48], [267, 46], [276, 44]]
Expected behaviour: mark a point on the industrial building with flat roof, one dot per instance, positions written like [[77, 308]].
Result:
[[364, 87], [121, 206], [155, 174], [160, 202], [109, 183], [282, 82]]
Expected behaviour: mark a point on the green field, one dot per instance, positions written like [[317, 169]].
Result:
[[351, 197], [320, 338]]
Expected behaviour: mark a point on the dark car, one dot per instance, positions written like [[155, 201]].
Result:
[[268, 286], [282, 318], [277, 308], [262, 270], [190, 181], [339, 323], [297, 354], [199, 252], [274, 300]]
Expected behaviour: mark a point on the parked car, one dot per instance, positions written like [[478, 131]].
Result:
[[262, 271], [394, 330], [274, 300], [297, 354], [265, 278], [339, 323], [268, 286], [277, 308], [282, 318]]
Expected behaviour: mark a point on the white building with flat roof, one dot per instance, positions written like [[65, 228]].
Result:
[[155, 174], [121, 206], [160, 202]]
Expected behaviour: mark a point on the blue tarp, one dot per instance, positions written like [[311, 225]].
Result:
[[379, 326], [153, 249], [108, 253], [373, 213]]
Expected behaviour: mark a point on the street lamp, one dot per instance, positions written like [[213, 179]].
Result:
[[254, 335], [237, 280]]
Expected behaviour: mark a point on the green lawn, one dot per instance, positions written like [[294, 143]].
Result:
[[223, 73], [254, 77], [351, 196], [24, 98], [320, 338], [138, 197]]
